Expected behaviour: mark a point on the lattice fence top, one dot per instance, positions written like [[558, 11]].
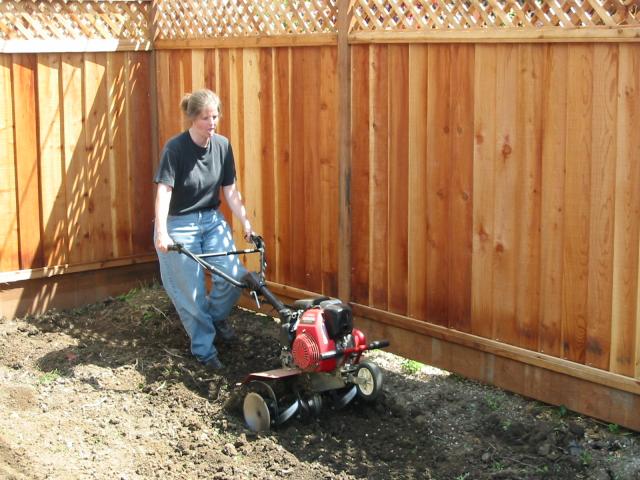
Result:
[[195, 19], [85, 25], [45, 20], [376, 15]]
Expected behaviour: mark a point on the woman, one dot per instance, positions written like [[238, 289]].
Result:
[[194, 166]]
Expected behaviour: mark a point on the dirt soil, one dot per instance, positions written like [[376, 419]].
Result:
[[110, 391]]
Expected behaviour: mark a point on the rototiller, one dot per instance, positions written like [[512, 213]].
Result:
[[321, 353]]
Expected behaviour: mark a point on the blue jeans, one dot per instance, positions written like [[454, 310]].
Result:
[[205, 231]]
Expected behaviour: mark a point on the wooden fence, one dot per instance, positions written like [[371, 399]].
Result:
[[465, 172], [76, 136]]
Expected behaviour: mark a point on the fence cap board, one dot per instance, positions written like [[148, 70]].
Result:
[[250, 41], [77, 45], [622, 34]]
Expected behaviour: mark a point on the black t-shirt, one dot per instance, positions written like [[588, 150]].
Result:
[[195, 173]]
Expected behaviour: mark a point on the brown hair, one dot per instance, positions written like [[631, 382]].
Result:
[[192, 104]]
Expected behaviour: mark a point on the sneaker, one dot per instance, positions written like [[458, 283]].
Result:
[[224, 331], [214, 363]]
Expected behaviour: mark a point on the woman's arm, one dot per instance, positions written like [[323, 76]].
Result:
[[234, 200], [163, 197]]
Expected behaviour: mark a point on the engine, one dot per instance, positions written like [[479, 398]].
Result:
[[324, 333]]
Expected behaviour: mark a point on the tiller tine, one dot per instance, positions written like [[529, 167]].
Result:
[[343, 398]]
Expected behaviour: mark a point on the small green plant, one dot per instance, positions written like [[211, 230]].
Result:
[[463, 476], [411, 367], [543, 469], [497, 466], [148, 315], [125, 297], [48, 377], [614, 428], [586, 458], [506, 424], [563, 411], [492, 402]]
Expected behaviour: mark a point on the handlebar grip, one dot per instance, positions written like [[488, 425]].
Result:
[[258, 241], [176, 247], [378, 344]]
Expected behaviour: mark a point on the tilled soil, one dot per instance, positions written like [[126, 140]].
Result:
[[111, 391]]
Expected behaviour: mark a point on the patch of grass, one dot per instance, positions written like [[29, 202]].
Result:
[[49, 377], [411, 367]]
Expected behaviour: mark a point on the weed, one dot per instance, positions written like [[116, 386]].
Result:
[[563, 411], [586, 458], [148, 315], [126, 297], [497, 466], [543, 469], [463, 476], [48, 377], [170, 371], [506, 424], [492, 402], [614, 428], [411, 367]]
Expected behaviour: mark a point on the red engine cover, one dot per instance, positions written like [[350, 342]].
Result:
[[311, 342]]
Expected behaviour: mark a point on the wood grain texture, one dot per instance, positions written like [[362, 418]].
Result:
[[251, 176], [75, 158], [528, 197], [300, 194], [361, 175], [282, 115], [603, 176], [398, 177], [118, 137], [577, 204], [329, 165], [378, 186], [483, 191], [27, 166], [140, 156], [52, 176], [417, 207], [627, 224], [9, 240], [461, 130], [97, 172], [552, 205], [267, 156], [309, 251], [507, 184], [438, 165]]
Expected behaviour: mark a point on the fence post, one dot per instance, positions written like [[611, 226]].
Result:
[[344, 151]]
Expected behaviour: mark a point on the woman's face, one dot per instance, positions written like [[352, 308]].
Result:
[[206, 122]]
